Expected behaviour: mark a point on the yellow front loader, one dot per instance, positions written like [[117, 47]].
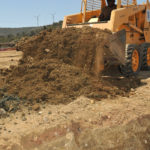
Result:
[[129, 18]]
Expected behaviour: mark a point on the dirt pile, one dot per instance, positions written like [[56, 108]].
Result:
[[60, 65], [72, 46]]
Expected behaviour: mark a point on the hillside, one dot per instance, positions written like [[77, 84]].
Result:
[[15, 31], [14, 34]]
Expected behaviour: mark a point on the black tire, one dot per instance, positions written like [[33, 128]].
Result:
[[145, 65], [127, 69]]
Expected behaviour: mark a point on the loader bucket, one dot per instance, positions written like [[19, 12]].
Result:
[[116, 45], [114, 52]]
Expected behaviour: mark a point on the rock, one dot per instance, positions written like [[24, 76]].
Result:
[[56, 133], [77, 117], [30, 59], [132, 90], [65, 127], [47, 50], [109, 96], [29, 108], [69, 136], [10, 103], [15, 123], [68, 112], [104, 117], [49, 112], [36, 107], [2, 124], [5, 129], [40, 112], [46, 120], [90, 120], [68, 129], [92, 102], [109, 117], [2, 113], [43, 107], [145, 141], [24, 118], [23, 114]]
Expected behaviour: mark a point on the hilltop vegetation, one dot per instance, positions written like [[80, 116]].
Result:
[[14, 34], [15, 31]]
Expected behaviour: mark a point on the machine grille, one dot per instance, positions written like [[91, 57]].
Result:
[[127, 2], [93, 5]]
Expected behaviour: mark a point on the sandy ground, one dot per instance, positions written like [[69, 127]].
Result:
[[8, 58], [122, 123]]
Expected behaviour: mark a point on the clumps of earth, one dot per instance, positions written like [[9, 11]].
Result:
[[8, 103], [58, 66]]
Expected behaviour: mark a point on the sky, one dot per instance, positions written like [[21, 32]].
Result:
[[24, 13]]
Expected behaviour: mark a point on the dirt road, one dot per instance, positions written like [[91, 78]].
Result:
[[8, 58]]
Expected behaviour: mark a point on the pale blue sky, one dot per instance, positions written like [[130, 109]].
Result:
[[21, 13]]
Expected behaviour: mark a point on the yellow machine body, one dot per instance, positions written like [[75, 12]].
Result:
[[132, 17]]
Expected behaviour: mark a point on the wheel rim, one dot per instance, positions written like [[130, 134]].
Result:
[[135, 60], [148, 56]]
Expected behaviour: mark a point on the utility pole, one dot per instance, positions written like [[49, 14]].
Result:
[[53, 17], [37, 19]]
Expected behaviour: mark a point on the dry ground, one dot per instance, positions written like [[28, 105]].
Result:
[[122, 123], [8, 58]]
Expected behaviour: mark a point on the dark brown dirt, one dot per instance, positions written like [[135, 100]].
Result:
[[60, 65]]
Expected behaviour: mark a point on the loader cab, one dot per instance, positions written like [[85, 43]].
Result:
[[91, 10], [106, 10], [101, 9], [96, 10]]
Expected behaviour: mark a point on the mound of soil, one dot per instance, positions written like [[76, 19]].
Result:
[[72, 46], [60, 65]]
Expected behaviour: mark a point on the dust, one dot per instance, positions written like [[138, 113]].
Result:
[[60, 65]]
